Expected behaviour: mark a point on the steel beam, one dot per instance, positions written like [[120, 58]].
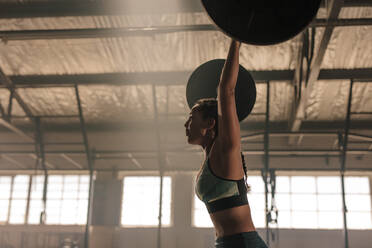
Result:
[[4, 115], [188, 169], [97, 8], [265, 172], [39, 145], [85, 33], [90, 167], [16, 130], [148, 154], [299, 116], [48, 164], [171, 78], [134, 161], [160, 156], [105, 8], [72, 161], [13, 161], [7, 82], [343, 154]]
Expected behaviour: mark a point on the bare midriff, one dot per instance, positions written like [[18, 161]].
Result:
[[232, 221]]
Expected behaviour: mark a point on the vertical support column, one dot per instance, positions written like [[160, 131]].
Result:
[[28, 199], [266, 161], [106, 207], [343, 163], [41, 158], [90, 166], [10, 199], [160, 163], [10, 105]]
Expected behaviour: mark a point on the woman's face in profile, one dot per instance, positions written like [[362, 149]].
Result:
[[194, 127]]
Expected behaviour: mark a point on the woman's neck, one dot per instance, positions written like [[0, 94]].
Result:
[[207, 146]]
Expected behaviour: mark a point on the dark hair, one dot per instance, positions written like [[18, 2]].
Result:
[[209, 109]]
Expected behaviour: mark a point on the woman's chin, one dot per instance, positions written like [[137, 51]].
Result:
[[190, 141]]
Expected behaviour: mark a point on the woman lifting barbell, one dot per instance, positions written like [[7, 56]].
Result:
[[221, 182], [214, 123]]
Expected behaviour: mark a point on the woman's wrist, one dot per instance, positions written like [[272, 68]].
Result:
[[236, 43]]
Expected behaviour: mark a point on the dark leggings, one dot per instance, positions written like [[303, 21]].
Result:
[[241, 240]]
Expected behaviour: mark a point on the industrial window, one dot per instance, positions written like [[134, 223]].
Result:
[[67, 199], [358, 202], [36, 196], [18, 200], [5, 191], [313, 202], [316, 202], [140, 205], [200, 214]]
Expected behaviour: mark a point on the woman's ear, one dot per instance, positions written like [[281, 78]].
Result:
[[211, 123]]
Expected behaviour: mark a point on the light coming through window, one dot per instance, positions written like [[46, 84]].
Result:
[[313, 202], [140, 206]]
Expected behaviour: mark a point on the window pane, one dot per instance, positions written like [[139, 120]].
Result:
[[201, 216], [63, 204], [283, 201], [284, 219], [4, 205], [70, 191], [282, 184], [258, 218], [358, 202], [17, 211], [256, 201], [256, 183], [5, 180], [141, 201], [329, 185], [71, 180], [5, 187], [37, 187], [329, 202], [330, 220], [54, 190], [70, 187], [35, 211], [68, 212], [359, 220], [84, 190], [303, 202], [303, 184], [84, 179], [355, 185], [53, 211], [82, 210], [304, 219], [20, 187]]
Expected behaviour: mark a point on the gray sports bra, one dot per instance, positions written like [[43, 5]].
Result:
[[218, 193]]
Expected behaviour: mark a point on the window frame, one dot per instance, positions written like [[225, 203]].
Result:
[[314, 174], [123, 174], [30, 175]]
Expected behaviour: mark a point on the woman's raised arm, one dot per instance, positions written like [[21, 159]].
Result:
[[228, 123]]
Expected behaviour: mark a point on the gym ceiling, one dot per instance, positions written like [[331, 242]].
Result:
[[101, 85]]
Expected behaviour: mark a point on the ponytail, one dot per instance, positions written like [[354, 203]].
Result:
[[245, 173]]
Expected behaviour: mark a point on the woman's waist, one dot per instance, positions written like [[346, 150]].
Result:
[[232, 221]]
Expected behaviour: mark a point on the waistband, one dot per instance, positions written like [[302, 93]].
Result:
[[238, 236]]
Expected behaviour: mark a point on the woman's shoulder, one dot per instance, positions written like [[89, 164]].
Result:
[[227, 164]]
